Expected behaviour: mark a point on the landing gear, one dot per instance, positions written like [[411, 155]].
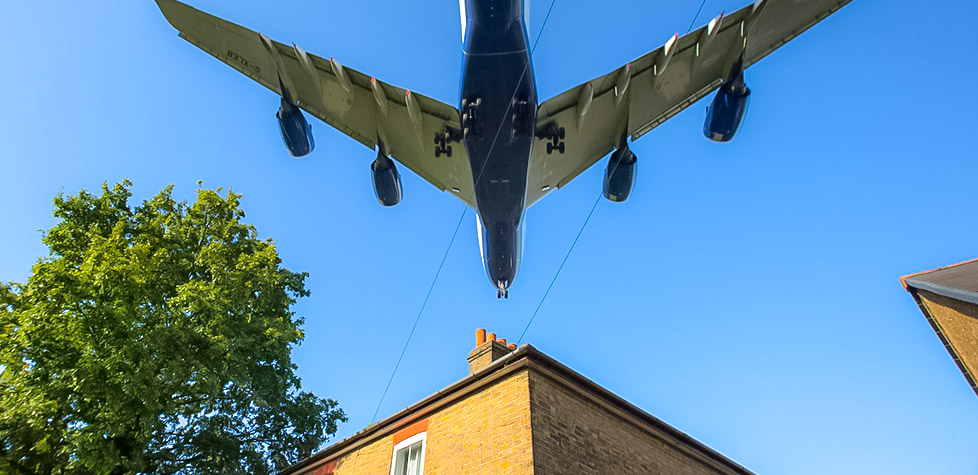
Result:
[[501, 291], [441, 146], [556, 136], [522, 123]]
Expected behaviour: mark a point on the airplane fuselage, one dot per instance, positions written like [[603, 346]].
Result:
[[498, 104]]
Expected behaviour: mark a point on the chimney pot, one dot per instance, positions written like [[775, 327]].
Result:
[[502, 341], [491, 337], [512, 346], [480, 336]]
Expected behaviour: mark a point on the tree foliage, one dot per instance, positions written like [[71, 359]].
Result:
[[154, 339]]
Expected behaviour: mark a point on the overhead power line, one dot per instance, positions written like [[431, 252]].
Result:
[[458, 225], [586, 220]]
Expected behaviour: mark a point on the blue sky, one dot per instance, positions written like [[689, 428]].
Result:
[[747, 294]]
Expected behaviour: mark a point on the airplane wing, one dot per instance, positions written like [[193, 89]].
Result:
[[588, 121], [360, 106]]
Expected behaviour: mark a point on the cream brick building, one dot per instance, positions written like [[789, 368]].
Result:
[[518, 412]]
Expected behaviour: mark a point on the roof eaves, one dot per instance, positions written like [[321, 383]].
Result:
[[949, 292], [904, 280]]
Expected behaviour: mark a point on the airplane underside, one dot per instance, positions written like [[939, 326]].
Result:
[[499, 149], [498, 116]]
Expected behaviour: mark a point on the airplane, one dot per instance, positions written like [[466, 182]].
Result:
[[500, 150]]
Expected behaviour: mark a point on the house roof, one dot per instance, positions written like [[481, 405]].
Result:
[[958, 281], [523, 358]]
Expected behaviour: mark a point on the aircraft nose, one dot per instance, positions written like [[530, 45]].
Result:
[[500, 246], [502, 277]]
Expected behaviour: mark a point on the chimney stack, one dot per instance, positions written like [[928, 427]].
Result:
[[487, 350]]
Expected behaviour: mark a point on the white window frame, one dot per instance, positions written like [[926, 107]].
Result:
[[414, 439]]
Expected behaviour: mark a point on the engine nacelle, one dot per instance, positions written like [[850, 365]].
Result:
[[726, 114], [387, 182], [619, 177], [296, 132]]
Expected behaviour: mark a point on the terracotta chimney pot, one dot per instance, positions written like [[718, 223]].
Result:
[[480, 336]]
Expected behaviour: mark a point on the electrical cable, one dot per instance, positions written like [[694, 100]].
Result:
[[696, 17], [552, 281], [583, 226], [418, 319], [462, 217], [458, 226], [691, 24]]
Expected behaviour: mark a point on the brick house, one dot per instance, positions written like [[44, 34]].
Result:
[[518, 412], [948, 298]]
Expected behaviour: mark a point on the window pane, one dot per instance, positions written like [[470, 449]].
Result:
[[414, 464], [407, 461], [401, 462]]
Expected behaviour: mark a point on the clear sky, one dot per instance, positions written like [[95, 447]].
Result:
[[747, 294]]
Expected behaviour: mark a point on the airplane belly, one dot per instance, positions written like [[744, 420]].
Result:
[[498, 108]]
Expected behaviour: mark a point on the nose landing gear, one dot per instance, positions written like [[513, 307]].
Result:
[[501, 291]]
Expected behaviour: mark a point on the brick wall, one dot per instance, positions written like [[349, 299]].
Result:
[[485, 433], [572, 434]]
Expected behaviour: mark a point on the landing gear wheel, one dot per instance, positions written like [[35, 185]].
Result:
[[437, 152], [562, 134], [499, 294], [448, 151]]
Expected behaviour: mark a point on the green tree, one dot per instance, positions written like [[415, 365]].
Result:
[[155, 339]]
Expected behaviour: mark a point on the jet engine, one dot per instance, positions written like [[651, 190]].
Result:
[[619, 177], [726, 114], [296, 132], [387, 182]]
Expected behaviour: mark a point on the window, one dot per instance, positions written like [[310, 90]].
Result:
[[409, 456]]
